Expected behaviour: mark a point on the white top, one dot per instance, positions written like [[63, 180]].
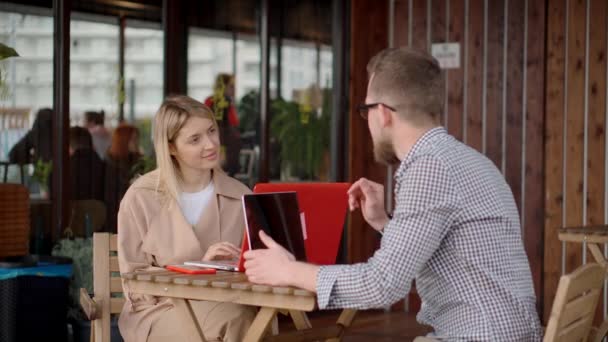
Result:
[[193, 203]]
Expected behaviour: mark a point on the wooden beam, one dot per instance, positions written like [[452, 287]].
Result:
[[60, 187]]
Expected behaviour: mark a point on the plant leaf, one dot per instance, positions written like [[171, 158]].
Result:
[[6, 52]]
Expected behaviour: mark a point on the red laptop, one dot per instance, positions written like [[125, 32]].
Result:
[[323, 207]]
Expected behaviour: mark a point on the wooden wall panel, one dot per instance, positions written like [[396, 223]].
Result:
[[439, 34], [455, 77], [514, 86], [532, 216], [419, 25], [495, 99], [474, 62], [574, 132], [494, 82], [554, 152], [401, 15], [596, 121], [362, 241], [575, 152]]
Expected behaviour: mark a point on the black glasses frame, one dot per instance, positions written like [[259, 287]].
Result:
[[363, 109]]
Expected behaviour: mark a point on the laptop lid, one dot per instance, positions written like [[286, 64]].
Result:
[[278, 215], [323, 207]]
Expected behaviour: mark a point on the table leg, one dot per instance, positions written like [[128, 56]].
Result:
[[344, 321], [260, 324], [189, 321]]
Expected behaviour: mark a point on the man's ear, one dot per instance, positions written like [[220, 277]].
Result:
[[386, 117]]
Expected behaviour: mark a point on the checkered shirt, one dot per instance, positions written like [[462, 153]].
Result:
[[456, 230]]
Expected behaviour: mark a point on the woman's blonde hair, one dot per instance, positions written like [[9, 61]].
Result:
[[169, 120]]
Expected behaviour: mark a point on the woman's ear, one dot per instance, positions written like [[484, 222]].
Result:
[[172, 149]]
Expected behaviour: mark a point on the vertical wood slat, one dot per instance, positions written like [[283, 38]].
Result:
[[534, 123], [494, 91], [438, 33], [400, 33], [361, 240], [596, 120], [474, 74], [455, 76], [419, 29], [554, 156], [575, 124], [515, 55]]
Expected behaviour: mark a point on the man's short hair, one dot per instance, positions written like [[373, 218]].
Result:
[[408, 80], [96, 118], [80, 138]]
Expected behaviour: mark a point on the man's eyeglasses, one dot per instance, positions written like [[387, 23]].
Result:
[[364, 108]]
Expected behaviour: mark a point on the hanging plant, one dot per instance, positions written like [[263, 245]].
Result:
[[5, 52]]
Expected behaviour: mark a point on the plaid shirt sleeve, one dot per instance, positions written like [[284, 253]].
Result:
[[426, 207]]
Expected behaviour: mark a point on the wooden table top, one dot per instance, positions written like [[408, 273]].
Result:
[[222, 286]]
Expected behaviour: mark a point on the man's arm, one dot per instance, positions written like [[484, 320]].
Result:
[[426, 206]]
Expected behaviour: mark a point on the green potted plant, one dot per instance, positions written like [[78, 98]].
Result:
[[5, 52], [303, 133], [42, 170]]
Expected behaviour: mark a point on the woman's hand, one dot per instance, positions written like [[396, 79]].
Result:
[[222, 251]]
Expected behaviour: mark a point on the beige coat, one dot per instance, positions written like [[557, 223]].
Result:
[[152, 233]]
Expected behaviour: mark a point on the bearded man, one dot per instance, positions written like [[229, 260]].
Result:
[[455, 228]]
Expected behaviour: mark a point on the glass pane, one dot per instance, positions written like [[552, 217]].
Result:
[[93, 70], [143, 78], [301, 117], [26, 87], [26, 96]]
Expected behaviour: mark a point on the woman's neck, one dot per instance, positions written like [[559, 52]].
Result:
[[194, 180]]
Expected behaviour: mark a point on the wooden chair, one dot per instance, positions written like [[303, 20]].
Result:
[[14, 220], [575, 302], [106, 283]]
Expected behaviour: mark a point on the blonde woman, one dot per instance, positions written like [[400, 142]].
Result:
[[186, 209]]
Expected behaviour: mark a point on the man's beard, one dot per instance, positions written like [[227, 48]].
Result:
[[384, 152]]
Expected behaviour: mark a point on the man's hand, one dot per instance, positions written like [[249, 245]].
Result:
[[369, 196], [270, 266], [222, 251]]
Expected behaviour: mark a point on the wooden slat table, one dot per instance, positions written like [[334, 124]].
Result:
[[595, 237], [234, 287]]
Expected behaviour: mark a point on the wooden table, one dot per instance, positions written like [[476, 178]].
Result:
[[594, 237], [233, 287]]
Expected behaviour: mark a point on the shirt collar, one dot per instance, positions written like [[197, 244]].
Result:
[[425, 140]]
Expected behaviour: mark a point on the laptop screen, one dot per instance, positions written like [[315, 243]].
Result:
[[278, 215]]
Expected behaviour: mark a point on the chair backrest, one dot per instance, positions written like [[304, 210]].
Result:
[[324, 208], [575, 303], [106, 279], [14, 220]]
